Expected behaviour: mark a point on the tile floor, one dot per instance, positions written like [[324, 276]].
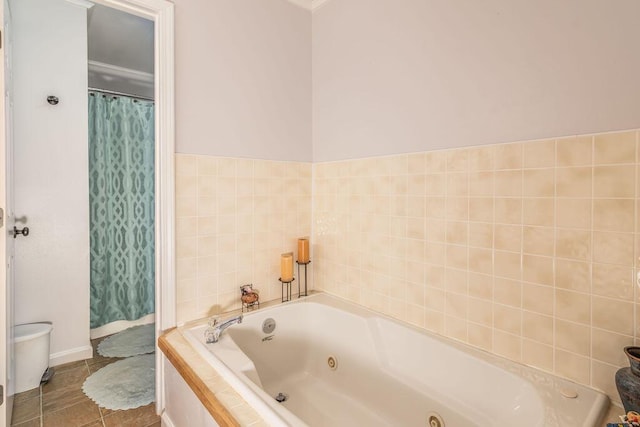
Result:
[[61, 402]]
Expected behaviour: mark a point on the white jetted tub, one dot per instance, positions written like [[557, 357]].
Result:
[[332, 363]]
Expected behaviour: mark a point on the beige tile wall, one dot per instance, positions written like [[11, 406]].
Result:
[[526, 250], [234, 217]]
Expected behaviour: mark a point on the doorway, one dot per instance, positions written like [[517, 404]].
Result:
[[121, 170], [161, 13]]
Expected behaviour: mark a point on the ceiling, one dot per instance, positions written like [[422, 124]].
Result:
[[120, 49], [309, 4]]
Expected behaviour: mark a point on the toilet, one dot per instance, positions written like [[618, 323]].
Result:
[[31, 354]]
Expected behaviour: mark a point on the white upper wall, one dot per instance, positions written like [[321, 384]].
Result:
[[396, 76], [243, 79]]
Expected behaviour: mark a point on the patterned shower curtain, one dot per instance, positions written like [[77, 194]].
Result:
[[121, 185]]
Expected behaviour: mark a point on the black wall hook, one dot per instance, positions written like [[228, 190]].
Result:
[[53, 100]]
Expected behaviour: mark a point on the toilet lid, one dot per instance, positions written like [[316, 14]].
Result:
[[31, 331]]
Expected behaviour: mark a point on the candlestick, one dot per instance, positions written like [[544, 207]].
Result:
[[305, 264]]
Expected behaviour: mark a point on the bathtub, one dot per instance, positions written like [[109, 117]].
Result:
[[329, 362]]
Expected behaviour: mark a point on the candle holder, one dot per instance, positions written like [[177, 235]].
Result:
[[305, 277], [286, 285]]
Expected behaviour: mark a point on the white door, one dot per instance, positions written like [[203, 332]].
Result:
[[6, 243], [50, 171]]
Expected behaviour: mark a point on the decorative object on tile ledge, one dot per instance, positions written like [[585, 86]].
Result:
[[286, 267], [303, 250], [305, 264], [628, 380], [286, 295], [250, 297], [303, 259], [286, 274]]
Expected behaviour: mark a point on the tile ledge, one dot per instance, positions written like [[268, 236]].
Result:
[[184, 359]]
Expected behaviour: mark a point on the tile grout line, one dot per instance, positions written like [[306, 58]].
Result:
[[99, 410], [41, 395], [86, 363]]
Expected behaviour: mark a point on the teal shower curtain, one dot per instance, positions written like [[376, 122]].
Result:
[[121, 186]]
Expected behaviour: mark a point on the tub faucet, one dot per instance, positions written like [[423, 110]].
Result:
[[212, 334]]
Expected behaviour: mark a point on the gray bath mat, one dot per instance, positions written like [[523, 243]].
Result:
[[125, 384], [130, 342]]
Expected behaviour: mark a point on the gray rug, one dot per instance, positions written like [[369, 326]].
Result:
[[130, 342], [125, 384]]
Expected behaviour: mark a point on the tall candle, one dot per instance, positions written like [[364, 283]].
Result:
[[303, 250], [286, 267]]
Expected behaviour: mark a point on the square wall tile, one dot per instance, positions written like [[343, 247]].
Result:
[[507, 292], [575, 181], [538, 240], [507, 345], [573, 275], [614, 181], [508, 237], [574, 213], [538, 327], [573, 337], [539, 154], [538, 298], [613, 248], [481, 209], [508, 156], [480, 336], [608, 346], [508, 183], [612, 148], [613, 315], [573, 244], [185, 164], [538, 269], [539, 183], [573, 366], [481, 158], [573, 306], [574, 151], [613, 281], [537, 355], [538, 211], [508, 210]]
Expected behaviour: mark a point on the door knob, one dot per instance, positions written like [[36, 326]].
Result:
[[24, 231]]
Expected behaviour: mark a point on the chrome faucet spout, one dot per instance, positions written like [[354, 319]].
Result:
[[213, 333]]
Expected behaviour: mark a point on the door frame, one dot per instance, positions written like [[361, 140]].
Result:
[[161, 12], [6, 244]]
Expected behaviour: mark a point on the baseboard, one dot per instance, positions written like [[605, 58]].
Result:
[[71, 355], [120, 325], [165, 420]]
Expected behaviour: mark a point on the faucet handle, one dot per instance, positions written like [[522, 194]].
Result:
[[210, 335]]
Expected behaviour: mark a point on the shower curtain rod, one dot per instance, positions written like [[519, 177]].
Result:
[[113, 92]]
